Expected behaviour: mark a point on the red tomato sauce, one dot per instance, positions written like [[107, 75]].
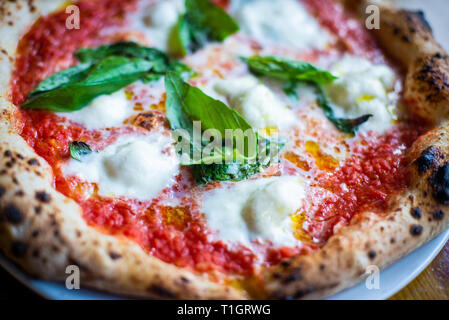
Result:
[[376, 171], [179, 235], [48, 46], [353, 36]]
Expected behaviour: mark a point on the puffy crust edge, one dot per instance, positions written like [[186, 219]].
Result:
[[418, 214], [44, 232]]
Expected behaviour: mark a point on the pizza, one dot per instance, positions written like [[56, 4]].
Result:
[[196, 149]]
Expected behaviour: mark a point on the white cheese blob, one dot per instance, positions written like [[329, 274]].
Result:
[[157, 21], [281, 22], [255, 210], [105, 111], [134, 167], [364, 88], [255, 102]]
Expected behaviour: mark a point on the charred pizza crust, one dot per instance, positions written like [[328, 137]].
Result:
[[44, 232], [418, 214]]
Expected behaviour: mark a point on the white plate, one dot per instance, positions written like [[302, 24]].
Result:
[[392, 279]]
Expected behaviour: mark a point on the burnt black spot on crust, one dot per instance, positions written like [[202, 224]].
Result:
[[416, 213], [301, 293], [36, 253], [42, 196], [285, 263], [438, 215], [292, 277], [322, 267], [427, 159], [416, 230], [162, 292], [184, 279], [19, 248], [13, 214], [431, 78], [277, 276], [31, 6], [423, 21], [33, 162], [114, 255], [406, 38], [20, 193], [439, 182], [372, 254]]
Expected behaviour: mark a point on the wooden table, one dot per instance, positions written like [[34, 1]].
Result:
[[432, 283]]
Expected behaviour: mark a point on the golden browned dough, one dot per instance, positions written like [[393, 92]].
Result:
[[43, 231], [417, 215]]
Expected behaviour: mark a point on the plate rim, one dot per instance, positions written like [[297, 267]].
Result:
[[49, 289]]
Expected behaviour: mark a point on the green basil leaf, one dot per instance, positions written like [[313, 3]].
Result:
[[79, 150], [186, 103], [290, 89], [180, 68], [124, 49], [75, 96], [90, 56], [241, 168], [102, 70], [116, 67], [161, 62], [220, 23], [345, 125], [202, 22], [293, 72], [180, 39], [235, 171], [61, 78], [108, 76], [288, 70], [176, 90]]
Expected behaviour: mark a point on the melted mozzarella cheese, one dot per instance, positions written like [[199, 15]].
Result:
[[284, 22], [255, 102], [157, 21], [255, 210], [105, 111], [364, 88], [132, 167]]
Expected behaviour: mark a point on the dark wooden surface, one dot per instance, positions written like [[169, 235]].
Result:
[[10, 288], [431, 284]]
